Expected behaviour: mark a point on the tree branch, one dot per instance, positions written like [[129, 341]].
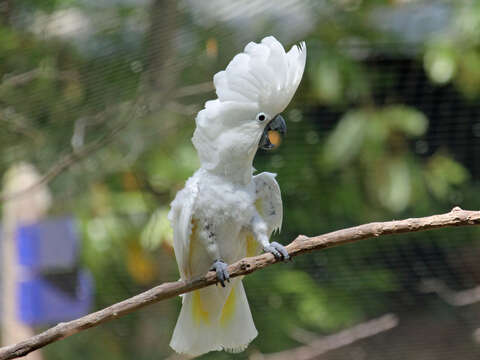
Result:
[[451, 297], [302, 244], [135, 110], [66, 161], [328, 343], [83, 152]]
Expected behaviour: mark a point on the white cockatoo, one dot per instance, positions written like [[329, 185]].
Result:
[[225, 213]]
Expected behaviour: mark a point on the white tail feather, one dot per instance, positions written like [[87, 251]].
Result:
[[224, 322]]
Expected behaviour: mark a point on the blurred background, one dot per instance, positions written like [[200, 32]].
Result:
[[97, 107]]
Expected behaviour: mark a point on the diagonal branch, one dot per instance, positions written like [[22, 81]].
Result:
[[66, 161], [343, 338], [302, 244], [451, 297], [138, 106], [135, 110]]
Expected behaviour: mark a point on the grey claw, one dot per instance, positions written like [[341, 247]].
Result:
[[220, 267], [278, 250]]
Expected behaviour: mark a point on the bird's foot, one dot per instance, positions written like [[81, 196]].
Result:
[[278, 250], [220, 267]]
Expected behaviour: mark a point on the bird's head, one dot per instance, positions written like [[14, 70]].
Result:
[[252, 91]]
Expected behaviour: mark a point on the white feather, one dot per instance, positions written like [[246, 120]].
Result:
[[268, 191], [194, 338], [180, 217]]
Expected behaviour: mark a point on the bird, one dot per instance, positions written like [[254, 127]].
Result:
[[225, 212]]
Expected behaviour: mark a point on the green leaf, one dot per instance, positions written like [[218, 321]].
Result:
[[442, 173], [394, 192], [346, 140], [157, 230], [328, 81], [313, 304], [440, 63], [406, 119], [469, 73]]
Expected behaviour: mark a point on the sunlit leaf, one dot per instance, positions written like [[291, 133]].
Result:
[[442, 173], [440, 63], [328, 81], [409, 120], [157, 231], [132, 202], [394, 191], [346, 140]]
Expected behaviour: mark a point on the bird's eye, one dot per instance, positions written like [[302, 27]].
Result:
[[261, 116]]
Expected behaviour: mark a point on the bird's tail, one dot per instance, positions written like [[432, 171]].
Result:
[[214, 318]]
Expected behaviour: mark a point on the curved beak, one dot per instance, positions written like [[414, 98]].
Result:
[[277, 124]]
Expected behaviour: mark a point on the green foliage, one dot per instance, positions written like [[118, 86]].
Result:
[[337, 79], [346, 140], [454, 55], [376, 142], [311, 303], [443, 173]]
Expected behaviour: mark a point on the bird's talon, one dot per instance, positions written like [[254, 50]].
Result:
[[220, 267], [278, 250]]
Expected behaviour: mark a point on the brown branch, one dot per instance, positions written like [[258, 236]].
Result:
[[335, 341], [26, 77], [451, 297], [20, 79], [195, 89], [302, 244], [18, 124]]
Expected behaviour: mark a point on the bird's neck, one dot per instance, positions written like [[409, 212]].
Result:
[[235, 167]]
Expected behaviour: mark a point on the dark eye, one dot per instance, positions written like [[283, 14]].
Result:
[[261, 116]]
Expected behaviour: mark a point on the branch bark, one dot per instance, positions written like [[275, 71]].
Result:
[[302, 244], [328, 343], [451, 297]]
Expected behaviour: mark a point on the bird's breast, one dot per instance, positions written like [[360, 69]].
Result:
[[225, 201]]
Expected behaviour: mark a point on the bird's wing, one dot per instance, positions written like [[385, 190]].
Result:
[[181, 218], [269, 200]]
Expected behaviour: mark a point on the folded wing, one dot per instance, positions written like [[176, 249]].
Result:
[[181, 218], [269, 200]]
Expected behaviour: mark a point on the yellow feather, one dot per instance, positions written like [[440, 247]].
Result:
[[259, 206], [228, 308], [198, 310], [252, 245], [193, 236]]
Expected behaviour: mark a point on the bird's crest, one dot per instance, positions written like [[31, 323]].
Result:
[[264, 77], [264, 73]]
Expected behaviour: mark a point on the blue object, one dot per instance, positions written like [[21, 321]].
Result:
[[50, 286], [50, 244], [41, 303]]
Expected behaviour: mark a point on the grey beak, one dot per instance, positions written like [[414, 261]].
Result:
[[277, 124]]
